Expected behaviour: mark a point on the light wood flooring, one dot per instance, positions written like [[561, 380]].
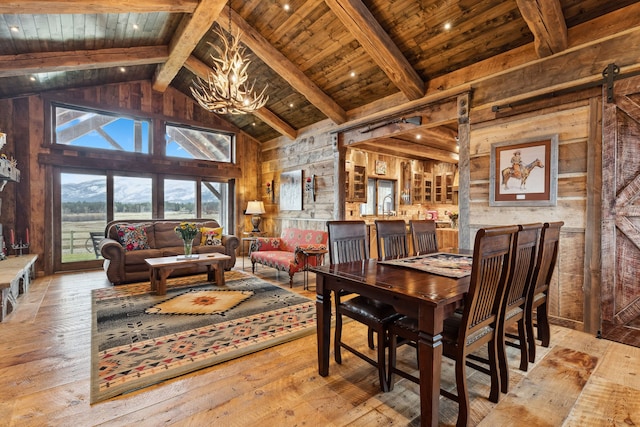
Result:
[[45, 358]]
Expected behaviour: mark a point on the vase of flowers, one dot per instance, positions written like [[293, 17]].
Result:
[[453, 216], [187, 232]]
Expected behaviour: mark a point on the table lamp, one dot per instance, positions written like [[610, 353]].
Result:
[[255, 208]]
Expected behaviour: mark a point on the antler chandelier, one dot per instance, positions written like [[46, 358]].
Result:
[[226, 90]]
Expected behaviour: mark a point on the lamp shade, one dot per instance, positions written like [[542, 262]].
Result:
[[255, 207]]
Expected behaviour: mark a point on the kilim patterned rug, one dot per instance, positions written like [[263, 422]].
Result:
[[139, 339]]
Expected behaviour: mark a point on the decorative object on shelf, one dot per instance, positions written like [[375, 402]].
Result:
[[226, 90], [271, 190], [20, 245], [291, 191], [187, 232], [381, 167], [310, 186], [255, 208]]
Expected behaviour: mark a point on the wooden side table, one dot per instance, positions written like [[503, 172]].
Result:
[[319, 254]]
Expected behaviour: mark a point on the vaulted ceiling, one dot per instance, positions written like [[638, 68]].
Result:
[[321, 59]]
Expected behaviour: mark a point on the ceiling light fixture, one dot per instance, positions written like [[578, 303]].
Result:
[[226, 90]]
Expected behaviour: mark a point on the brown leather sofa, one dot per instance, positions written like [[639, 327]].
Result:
[[126, 266]]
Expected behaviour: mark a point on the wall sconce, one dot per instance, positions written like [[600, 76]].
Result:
[[310, 186], [271, 190]]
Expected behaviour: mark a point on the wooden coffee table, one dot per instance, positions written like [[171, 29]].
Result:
[[161, 268]]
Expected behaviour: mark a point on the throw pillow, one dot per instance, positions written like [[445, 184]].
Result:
[[132, 237], [211, 236]]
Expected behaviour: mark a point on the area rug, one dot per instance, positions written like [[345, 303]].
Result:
[[140, 339]]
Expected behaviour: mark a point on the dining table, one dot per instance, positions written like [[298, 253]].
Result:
[[423, 295]]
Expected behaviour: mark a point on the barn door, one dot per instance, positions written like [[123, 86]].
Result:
[[621, 214]]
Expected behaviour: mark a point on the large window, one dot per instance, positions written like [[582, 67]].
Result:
[[132, 197], [381, 195], [94, 129], [199, 144]]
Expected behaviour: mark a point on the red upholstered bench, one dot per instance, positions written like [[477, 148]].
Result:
[[284, 253]]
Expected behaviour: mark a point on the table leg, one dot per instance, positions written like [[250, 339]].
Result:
[[323, 334], [161, 280], [430, 362], [219, 270]]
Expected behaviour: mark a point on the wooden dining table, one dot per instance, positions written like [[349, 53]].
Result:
[[426, 296]]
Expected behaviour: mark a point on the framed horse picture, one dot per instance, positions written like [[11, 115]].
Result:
[[524, 173]]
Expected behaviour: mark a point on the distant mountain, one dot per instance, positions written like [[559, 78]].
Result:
[[127, 191]]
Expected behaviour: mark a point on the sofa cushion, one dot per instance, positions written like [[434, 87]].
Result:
[[211, 236], [138, 257], [166, 235], [132, 237]]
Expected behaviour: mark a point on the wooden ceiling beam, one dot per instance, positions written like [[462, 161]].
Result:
[[355, 16], [201, 69], [27, 63], [37, 7], [546, 22], [287, 70], [189, 33], [401, 148]]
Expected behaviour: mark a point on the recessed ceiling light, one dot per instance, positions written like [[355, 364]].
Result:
[[353, 74], [135, 26], [447, 26], [33, 78], [418, 136], [14, 29], [286, 7], [291, 105], [122, 69]]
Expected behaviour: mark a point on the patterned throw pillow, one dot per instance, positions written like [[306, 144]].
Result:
[[132, 237], [211, 236]]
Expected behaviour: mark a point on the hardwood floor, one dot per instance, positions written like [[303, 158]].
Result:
[[44, 378]]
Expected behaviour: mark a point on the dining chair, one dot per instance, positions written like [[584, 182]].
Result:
[[423, 236], [349, 242], [474, 326], [391, 236], [523, 261], [539, 294]]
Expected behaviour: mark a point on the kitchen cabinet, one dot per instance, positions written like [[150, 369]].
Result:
[[356, 183], [418, 189], [443, 188]]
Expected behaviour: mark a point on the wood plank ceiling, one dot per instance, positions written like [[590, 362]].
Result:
[[320, 58]]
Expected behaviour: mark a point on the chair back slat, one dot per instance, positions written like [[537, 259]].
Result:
[[423, 235], [348, 241], [547, 256], [391, 236], [522, 264], [489, 272]]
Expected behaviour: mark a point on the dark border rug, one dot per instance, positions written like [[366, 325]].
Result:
[[139, 339]]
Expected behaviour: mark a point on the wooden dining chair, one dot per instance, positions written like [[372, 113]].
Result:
[[539, 294], [475, 325], [391, 236], [349, 242], [523, 262], [423, 236]]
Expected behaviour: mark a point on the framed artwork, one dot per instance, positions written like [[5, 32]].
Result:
[[524, 173], [291, 191], [381, 167]]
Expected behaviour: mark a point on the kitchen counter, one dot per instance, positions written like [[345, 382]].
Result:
[[446, 237]]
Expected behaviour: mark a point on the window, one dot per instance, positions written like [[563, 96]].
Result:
[[83, 202], [199, 144], [132, 197], [92, 129], [381, 197], [179, 199]]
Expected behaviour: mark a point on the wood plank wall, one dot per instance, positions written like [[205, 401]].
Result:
[[571, 124]]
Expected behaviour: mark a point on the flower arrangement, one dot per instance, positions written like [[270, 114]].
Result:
[[187, 231], [452, 215]]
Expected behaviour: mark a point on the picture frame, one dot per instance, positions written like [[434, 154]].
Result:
[[291, 191], [381, 167], [535, 183]]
